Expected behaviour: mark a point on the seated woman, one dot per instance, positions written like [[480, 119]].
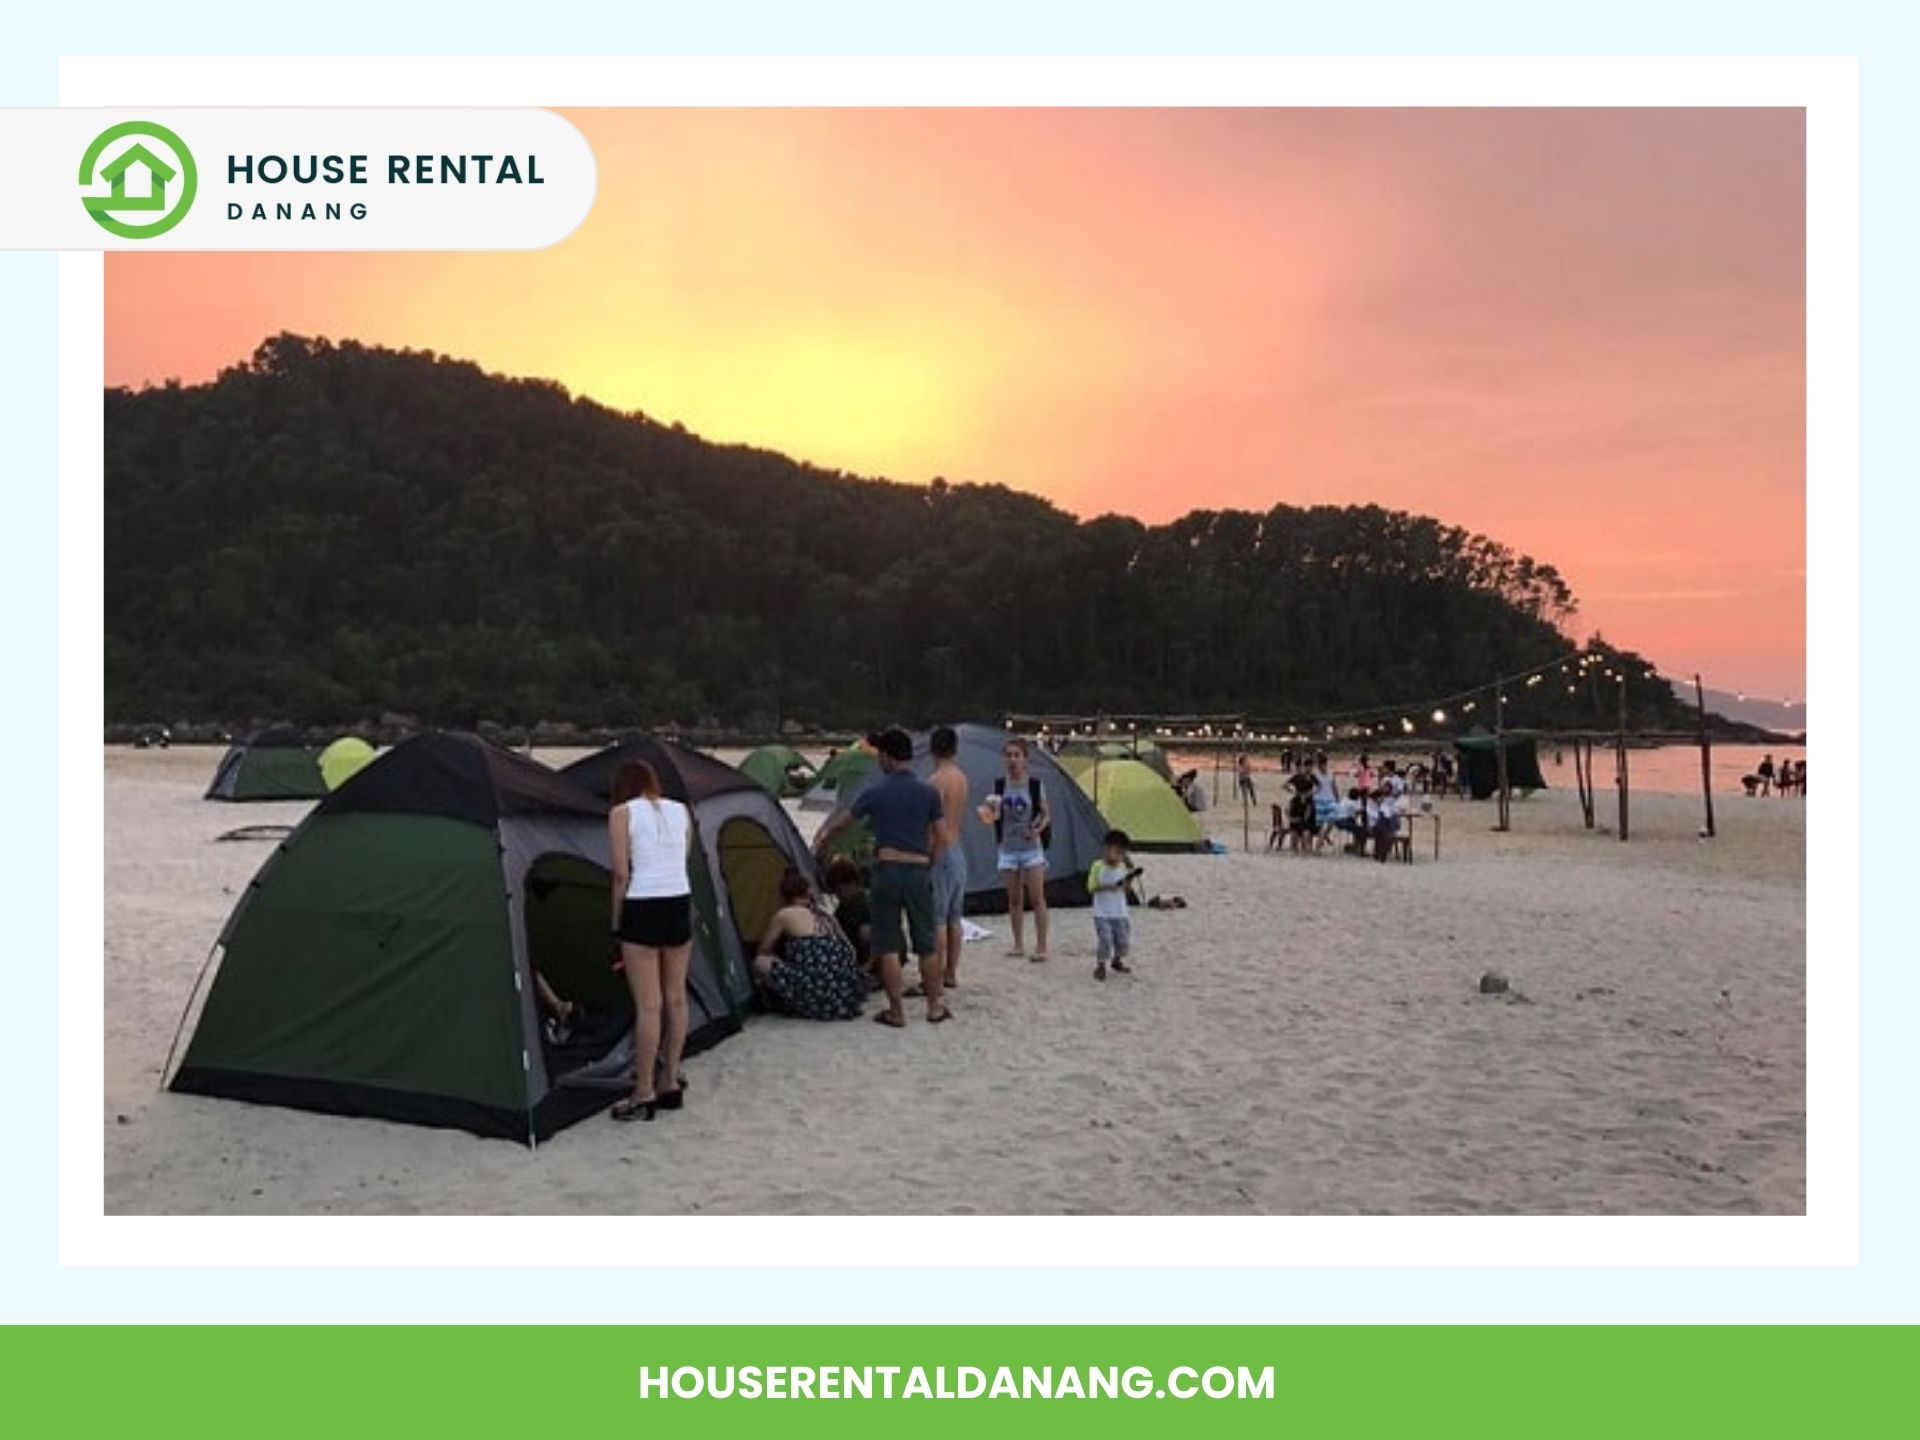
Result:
[[806, 962]]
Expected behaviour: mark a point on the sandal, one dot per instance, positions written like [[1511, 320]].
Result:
[[944, 1015], [631, 1109], [888, 1018], [671, 1099], [1038, 959]]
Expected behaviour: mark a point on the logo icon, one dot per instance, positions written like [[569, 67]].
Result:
[[154, 177]]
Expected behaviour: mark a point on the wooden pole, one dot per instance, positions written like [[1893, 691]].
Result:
[[1580, 777], [1620, 758], [1706, 753], [1583, 763], [1500, 754]]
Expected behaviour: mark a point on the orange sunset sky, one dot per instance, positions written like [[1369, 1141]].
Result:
[[1581, 332]]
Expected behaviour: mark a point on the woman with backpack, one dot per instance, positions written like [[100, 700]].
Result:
[[1017, 810]]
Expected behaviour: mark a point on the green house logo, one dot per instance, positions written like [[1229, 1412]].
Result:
[[150, 183]]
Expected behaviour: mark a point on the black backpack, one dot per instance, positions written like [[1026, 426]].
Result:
[[1033, 799]]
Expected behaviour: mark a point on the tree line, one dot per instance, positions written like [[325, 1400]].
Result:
[[330, 531]]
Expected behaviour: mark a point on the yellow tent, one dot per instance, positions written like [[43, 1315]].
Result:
[[1133, 798]]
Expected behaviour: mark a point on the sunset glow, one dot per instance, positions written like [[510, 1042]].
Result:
[[1581, 332]]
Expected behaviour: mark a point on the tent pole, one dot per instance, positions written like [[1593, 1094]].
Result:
[[1706, 753]]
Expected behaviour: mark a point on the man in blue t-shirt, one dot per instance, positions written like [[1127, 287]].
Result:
[[904, 814]]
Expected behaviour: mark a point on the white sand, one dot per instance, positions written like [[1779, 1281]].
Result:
[[1306, 1038]]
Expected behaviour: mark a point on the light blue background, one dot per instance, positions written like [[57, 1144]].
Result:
[[1882, 1288]]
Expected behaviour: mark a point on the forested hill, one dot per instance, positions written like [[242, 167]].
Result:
[[331, 531]]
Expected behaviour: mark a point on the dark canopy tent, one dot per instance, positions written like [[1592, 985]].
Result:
[[746, 842], [382, 961], [1480, 763], [1078, 829], [274, 764]]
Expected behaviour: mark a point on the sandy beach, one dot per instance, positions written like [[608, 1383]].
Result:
[[1306, 1037]]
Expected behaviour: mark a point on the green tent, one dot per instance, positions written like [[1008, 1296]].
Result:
[[842, 774], [275, 764], [1480, 763], [382, 961], [343, 759], [1134, 798], [1145, 751], [779, 770]]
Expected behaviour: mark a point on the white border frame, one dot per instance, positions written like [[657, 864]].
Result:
[[1828, 1234]]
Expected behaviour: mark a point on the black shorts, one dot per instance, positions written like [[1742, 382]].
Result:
[[659, 924]]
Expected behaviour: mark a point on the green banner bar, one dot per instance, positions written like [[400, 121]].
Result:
[[214, 1382]]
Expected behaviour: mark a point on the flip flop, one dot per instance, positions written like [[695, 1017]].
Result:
[[631, 1109], [885, 1017], [1038, 959], [940, 1019]]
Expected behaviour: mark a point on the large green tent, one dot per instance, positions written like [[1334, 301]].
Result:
[[382, 961], [1134, 798], [275, 764], [779, 770], [1480, 763]]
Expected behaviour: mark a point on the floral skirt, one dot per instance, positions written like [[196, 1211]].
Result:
[[816, 978]]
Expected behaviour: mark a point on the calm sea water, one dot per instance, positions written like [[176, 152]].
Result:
[[1676, 768]]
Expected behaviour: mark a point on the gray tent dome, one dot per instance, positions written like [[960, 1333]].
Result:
[[1078, 829]]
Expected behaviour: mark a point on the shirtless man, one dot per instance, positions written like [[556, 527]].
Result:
[[950, 865]]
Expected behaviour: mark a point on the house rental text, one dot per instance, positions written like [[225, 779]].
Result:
[[400, 169]]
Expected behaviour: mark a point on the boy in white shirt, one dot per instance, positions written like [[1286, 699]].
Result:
[[1107, 881]]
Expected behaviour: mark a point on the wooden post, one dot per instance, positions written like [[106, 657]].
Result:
[[1706, 753], [1500, 754], [1579, 776], [1620, 758], [1583, 770]]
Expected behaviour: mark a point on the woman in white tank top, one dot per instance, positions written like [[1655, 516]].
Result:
[[650, 836]]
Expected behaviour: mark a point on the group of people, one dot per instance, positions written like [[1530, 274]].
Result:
[[1789, 777], [919, 877], [1370, 812], [819, 961]]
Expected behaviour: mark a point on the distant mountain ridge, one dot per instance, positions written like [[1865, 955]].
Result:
[[1781, 718], [331, 531]]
